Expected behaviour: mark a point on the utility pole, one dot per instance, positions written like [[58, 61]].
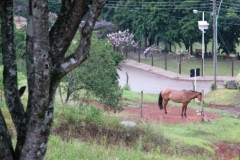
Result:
[[214, 46]]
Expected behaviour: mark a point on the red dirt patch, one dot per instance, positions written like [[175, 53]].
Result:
[[227, 151], [151, 112]]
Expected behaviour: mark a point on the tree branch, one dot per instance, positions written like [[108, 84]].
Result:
[[65, 27], [82, 52]]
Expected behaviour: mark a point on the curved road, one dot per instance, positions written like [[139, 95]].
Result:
[[140, 80]]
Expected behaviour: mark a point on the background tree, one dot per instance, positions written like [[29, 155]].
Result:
[[20, 8], [228, 29], [121, 39], [47, 63], [173, 22], [180, 57], [97, 75], [103, 28]]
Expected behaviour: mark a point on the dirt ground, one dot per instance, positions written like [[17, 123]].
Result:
[[151, 113]]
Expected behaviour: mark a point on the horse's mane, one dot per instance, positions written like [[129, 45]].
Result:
[[195, 91]]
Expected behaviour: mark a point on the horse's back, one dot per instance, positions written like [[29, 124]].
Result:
[[175, 95]]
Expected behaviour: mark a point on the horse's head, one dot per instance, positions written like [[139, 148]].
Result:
[[199, 96]]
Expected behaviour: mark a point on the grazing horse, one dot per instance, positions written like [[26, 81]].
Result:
[[183, 96]]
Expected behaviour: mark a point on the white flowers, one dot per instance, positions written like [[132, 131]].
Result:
[[152, 50], [121, 38]]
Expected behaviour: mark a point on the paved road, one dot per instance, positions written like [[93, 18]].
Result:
[[140, 80]]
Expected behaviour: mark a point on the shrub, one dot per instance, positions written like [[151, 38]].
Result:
[[238, 81], [212, 85], [225, 83], [127, 87]]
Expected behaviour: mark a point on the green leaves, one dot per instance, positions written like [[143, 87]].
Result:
[[98, 75]]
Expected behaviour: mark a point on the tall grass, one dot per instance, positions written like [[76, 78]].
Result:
[[78, 150]]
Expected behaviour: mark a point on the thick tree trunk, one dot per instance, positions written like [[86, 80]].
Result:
[[39, 78], [46, 65], [10, 78]]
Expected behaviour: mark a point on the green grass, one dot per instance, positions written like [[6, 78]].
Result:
[[75, 150], [224, 67], [137, 96], [181, 141], [222, 97]]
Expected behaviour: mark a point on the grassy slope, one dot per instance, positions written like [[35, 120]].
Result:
[[184, 139]]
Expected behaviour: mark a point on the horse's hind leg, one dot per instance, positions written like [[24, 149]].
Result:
[[165, 106], [185, 112], [184, 109]]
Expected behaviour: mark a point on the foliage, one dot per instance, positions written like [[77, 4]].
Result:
[[1, 79], [54, 6], [20, 7], [122, 39], [126, 87], [0, 43], [225, 83], [180, 57], [20, 42], [52, 18], [98, 75], [103, 28], [211, 84], [222, 96], [171, 22], [152, 50], [46, 64]]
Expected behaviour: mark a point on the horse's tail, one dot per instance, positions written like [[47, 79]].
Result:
[[160, 100]]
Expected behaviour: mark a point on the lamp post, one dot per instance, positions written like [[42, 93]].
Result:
[[202, 25]]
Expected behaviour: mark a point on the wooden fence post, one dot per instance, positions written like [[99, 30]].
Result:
[[202, 114], [126, 78], [141, 114], [139, 50], [165, 61], [152, 60]]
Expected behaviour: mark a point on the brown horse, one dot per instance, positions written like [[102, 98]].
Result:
[[183, 96]]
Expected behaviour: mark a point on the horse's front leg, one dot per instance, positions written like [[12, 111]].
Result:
[[185, 110]]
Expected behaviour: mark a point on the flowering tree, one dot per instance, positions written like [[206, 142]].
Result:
[[103, 28], [180, 57], [152, 50], [122, 39], [52, 18], [20, 6]]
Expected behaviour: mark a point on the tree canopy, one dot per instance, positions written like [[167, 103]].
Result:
[[174, 22]]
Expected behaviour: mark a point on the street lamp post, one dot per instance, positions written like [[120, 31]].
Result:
[[202, 25]]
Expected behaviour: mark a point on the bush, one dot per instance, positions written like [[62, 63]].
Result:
[[238, 81], [212, 85], [225, 83], [127, 87]]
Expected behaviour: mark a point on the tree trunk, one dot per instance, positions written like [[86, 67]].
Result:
[[46, 65], [13, 101]]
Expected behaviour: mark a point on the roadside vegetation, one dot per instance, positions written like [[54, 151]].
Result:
[[84, 131], [90, 133]]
